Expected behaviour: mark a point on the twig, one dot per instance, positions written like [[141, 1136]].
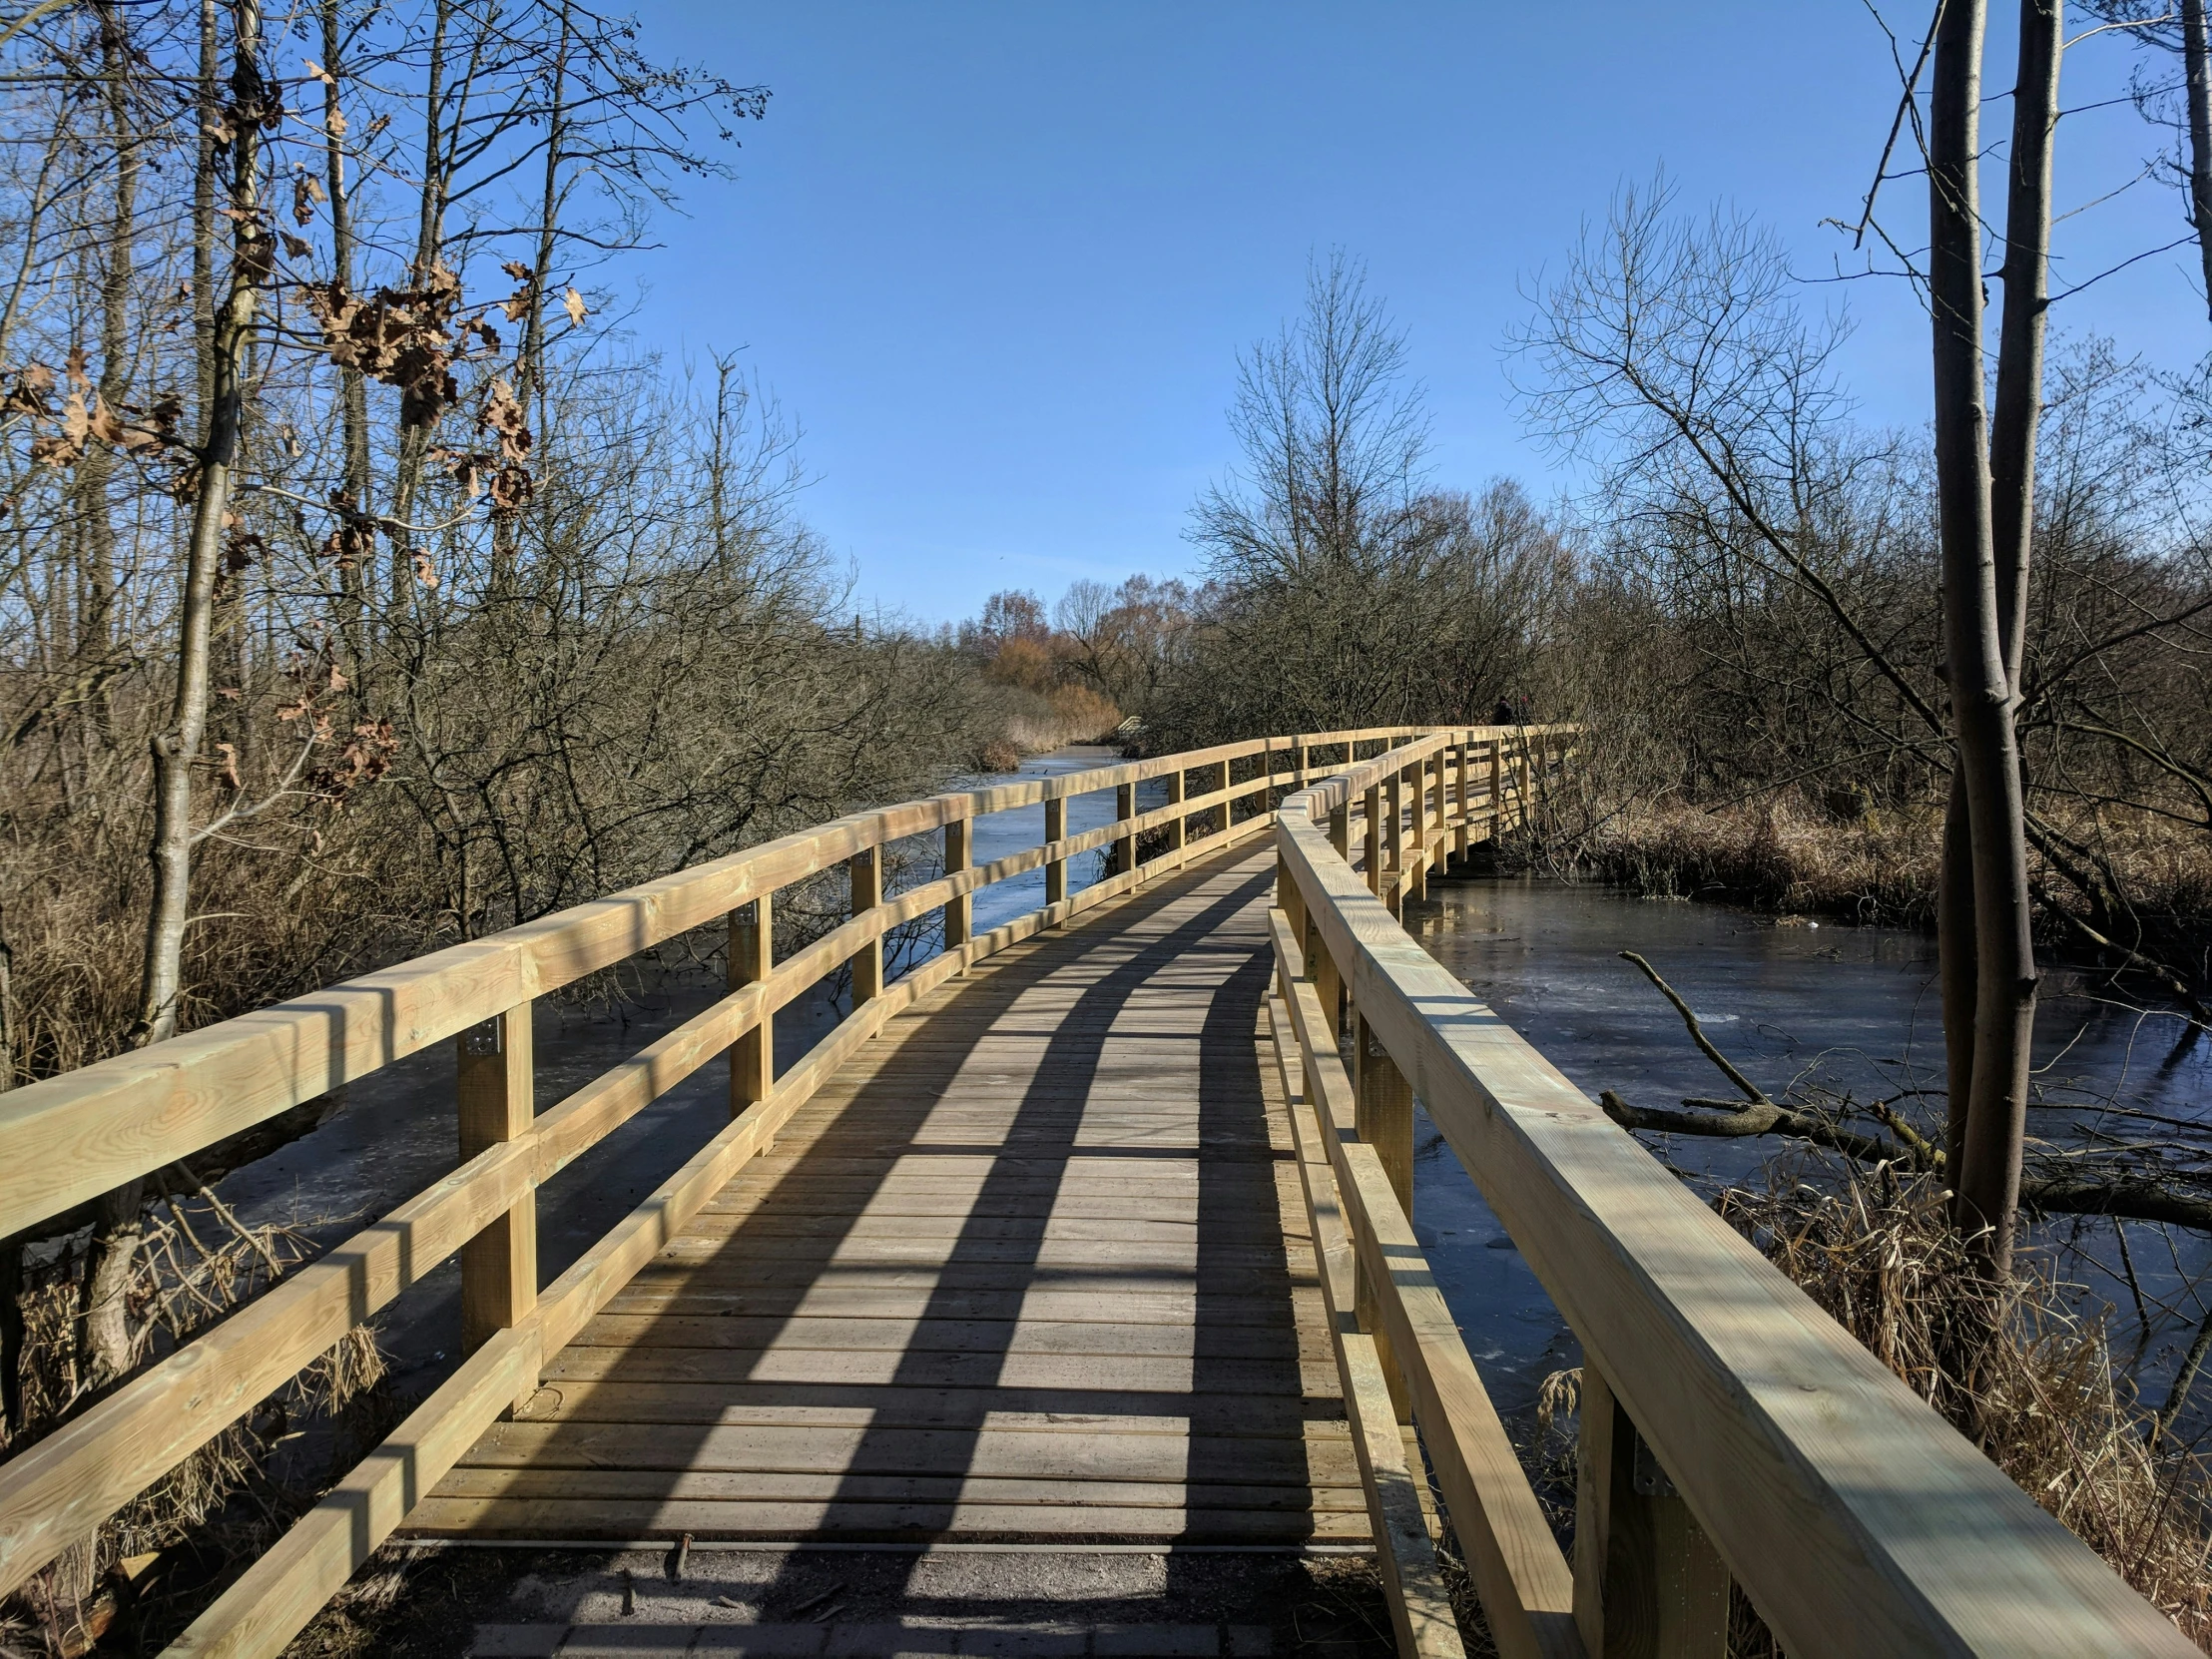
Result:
[[1751, 1090], [2178, 1396]]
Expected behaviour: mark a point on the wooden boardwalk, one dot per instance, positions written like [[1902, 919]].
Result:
[[1034, 1266]]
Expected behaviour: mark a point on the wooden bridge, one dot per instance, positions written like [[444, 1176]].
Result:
[[1093, 1227]]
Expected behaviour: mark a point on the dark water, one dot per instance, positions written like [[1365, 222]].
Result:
[[1853, 1008]]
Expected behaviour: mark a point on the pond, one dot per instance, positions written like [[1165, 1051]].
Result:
[[1854, 1008]]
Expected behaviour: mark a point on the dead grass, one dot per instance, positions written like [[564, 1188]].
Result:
[[153, 1563], [1841, 856]]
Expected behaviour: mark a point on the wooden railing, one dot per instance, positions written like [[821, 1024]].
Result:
[[1730, 1430], [74, 1137]]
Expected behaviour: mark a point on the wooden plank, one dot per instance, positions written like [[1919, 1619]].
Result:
[[844, 1333], [1421, 1606], [882, 1522], [1087, 1411], [1811, 1467], [754, 1487]]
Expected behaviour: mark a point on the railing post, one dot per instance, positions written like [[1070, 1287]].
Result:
[[1373, 804], [1125, 808], [1221, 782], [492, 1086], [1055, 828], [1298, 763], [1176, 824], [1461, 835], [867, 867], [751, 958], [959, 911], [1392, 890], [1647, 1581], [1384, 1119], [1497, 782], [1522, 780]]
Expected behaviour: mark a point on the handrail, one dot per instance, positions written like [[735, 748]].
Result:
[[1853, 1517], [67, 1139]]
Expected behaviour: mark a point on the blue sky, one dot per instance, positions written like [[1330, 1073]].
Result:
[[998, 259]]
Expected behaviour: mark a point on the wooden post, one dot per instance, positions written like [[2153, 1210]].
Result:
[[866, 866], [492, 1084], [1386, 1122], [1298, 763], [752, 956], [1520, 780], [1374, 839], [1055, 828], [1320, 967], [1339, 829], [1392, 890], [959, 914], [1464, 806], [1648, 1583], [1125, 808], [1175, 826], [1221, 781], [1498, 783]]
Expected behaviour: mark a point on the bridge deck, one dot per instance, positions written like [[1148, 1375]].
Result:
[[1033, 1267]]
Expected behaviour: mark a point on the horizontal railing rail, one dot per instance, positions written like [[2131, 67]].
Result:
[[72, 1138], [1730, 1430]]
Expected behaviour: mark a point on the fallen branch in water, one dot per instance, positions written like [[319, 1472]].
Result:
[[2122, 1197]]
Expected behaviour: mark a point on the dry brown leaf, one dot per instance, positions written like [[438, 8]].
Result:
[[574, 303]]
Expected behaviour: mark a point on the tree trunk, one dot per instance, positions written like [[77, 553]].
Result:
[[357, 547], [414, 441], [1987, 758], [2026, 276], [95, 527], [177, 747], [2196, 64]]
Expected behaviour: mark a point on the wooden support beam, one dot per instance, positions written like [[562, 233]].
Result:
[[959, 911], [499, 1266], [867, 867], [1421, 1608], [1125, 808], [1464, 806], [1055, 828], [1386, 1122], [752, 961], [1178, 827], [1394, 812], [1378, 876], [1648, 1583]]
